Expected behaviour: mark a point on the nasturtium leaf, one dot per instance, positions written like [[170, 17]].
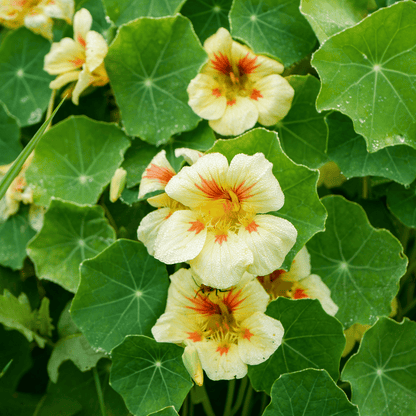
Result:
[[16, 313], [207, 16], [328, 17], [9, 137], [75, 160], [348, 150], [368, 72], [149, 375], [122, 291], [43, 321], [13, 346], [402, 203], [70, 234], [167, 411], [75, 348], [19, 404], [150, 68], [124, 11], [360, 264], [383, 372], [24, 85], [303, 132], [15, 233], [302, 206], [273, 27], [308, 393], [140, 154], [312, 339]]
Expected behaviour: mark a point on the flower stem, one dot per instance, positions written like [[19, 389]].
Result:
[[201, 396], [247, 402], [230, 396], [240, 396], [99, 391], [50, 108]]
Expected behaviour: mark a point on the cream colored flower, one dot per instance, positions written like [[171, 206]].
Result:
[[223, 331], [36, 15], [80, 59], [220, 232], [299, 283], [237, 88]]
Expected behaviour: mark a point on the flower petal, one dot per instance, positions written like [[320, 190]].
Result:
[[196, 185], [252, 180], [269, 238], [64, 56], [149, 228], [157, 175], [220, 41], [191, 156], [180, 238], [96, 50], [221, 362], [261, 336], [272, 95], [222, 261], [82, 25], [240, 115], [300, 268], [84, 81], [59, 9], [192, 363], [37, 21], [206, 97], [63, 79], [174, 327]]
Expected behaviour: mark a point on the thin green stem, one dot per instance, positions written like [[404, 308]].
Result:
[[247, 402], [264, 398], [108, 215], [50, 109], [230, 397], [240, 396], [409, 307], [206, 404], [366, 187], [185, 406], [99, 391]]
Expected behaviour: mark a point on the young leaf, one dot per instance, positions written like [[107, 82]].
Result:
[[15, 233], [43, 321], [70, 234], [303, 132], [302, 206], [311, 339], [273, 27], [9, 137], [347, 149], [308, 393], [328, 17], [149, 375], [361, 265], [24, 85], [75, 160], [122, 291], [383, 372], [368, 73], [402, 203], [150, 71]]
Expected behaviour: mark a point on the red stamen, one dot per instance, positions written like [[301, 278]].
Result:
[[247, 65], [255, 94], [196, 226], [221, 63], [163, 175]]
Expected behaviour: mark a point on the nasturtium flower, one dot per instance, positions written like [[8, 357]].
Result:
[[36, 15], [80, 59], [237, 88], [219, 231], [299, 283], [223, 330]]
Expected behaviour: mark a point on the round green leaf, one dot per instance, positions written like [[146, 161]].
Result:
[[402, 203], [207, 16], [328, 17], [302, 206], [383, 372], [361, 265], [124, 11], [311, 339], [15, 233], [9, 137], [308, 393], [368, 72], [122, 291], [348, 150], [150, 71], [149, 375], [273, 27], [24, 85], [75, 160], [70, 234], [167, 411], [303, 132]]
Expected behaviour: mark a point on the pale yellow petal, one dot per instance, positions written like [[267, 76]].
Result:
[[220, 41], [252, 180], [222, 261], [84, 81], [39, 23], [240, 115], [96, 50], [64, 79], [180, 238], [64, 56], [300, 268], [59, 9], [260, 337], [82, 25], [117, 184], [192, 363], [206, 97], [191, 156]]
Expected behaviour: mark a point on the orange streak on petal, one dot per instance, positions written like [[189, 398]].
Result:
[[81, 41], [255, 94], [232, 300], [220, 238], [194, 336], [211, 189], [232, 102], [77, 61], [252, 227], [163, 175], [223, 349], [221, 63], [247, 65], [204, 306], [216, 92], [300, 294], [196, 226], [247, 334]]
